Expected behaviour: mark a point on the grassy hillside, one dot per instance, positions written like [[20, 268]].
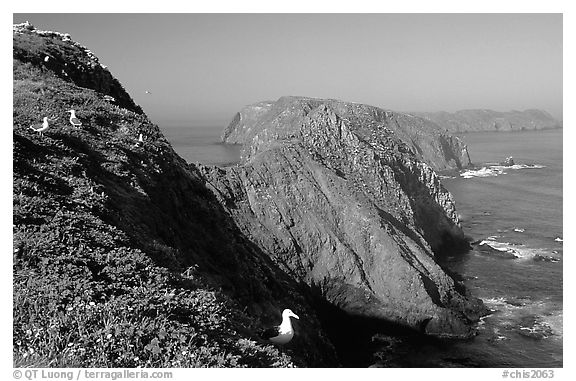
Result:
[[122, 257]]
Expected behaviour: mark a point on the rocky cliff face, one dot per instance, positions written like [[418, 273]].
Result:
[[488, 120], [265, 121], [243, 122], [338, 194]]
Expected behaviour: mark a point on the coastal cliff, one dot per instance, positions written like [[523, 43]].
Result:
[[125, 255], [489, 120], [338, 193], [263, 122]]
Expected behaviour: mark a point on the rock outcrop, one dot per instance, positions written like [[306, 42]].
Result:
[[489, 120], [337, 193], [509, 161]]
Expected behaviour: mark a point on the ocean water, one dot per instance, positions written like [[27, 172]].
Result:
[[202, 144], [514, 216]]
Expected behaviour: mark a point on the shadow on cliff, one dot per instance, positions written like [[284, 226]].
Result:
[[172, 217], [357, 338], [164, 208], [48, 181], [188, 226], [450, 246]]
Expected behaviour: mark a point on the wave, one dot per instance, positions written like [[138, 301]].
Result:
[[496, 170], [519, 251], [538, 320], [498, 336], [520, 166], [555, 322], [501, 248], [482, 172], [496, 303], [536, 329]]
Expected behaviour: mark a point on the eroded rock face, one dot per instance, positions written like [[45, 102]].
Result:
[[335, 195], [266, 122]]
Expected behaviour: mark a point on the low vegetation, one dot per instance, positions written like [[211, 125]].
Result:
[[87, 293]]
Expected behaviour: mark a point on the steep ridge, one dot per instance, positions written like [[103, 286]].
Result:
[[339, 199], [252, 127], [122, 256], [69, 60], [489, 120]]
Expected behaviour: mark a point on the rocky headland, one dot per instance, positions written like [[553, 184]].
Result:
[[342, 197], [268, 121], [125, 255], [489, 120]]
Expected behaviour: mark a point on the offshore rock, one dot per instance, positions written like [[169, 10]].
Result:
[[509, 161], [337, 193]]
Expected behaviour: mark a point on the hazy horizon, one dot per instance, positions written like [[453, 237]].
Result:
[[203, 68]]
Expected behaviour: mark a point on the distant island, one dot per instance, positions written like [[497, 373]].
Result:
[[489, 120]]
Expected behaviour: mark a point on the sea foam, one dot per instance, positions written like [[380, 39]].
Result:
[[496, 170], [538, 319], [520, 251]]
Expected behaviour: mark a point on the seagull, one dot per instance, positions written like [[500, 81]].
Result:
[[73, 120], [283, 333], [42, 128], [139, 142], [148, 92]]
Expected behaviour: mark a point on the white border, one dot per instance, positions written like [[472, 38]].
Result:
[[302, 6]]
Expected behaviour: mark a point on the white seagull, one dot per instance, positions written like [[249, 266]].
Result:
[[73, 120], [283, 333], [139, 142], [41, 128]]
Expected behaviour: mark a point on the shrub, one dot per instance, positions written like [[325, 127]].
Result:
[[86, 293]]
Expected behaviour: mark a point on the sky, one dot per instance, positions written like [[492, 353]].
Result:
[[200, 69]]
